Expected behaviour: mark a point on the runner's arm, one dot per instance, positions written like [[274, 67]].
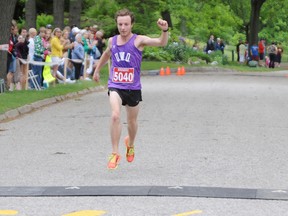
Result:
[[161, 41]]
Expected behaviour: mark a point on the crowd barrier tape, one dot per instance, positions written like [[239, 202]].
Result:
[[38, 63]]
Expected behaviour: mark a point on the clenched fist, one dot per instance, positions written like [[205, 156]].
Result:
[[163, 25]]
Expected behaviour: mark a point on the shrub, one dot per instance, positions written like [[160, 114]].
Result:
[[43, 20], [179, 52]]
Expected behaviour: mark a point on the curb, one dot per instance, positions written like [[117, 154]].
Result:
[[15, 113]]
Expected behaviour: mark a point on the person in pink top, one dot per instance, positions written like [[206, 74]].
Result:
[[124, 83]]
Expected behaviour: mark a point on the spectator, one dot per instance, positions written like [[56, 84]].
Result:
[[272, 52], [78, 54], [56, 50], [279, 55], [210, 45], [39, 52], [67, 45], [92, 53], [49, 27], [237, 49], [47, 41], [261, 50], [68, 29], [242, 52], [87, 49], [254, 52], [32, 34], [11, 58], [75, 30], [85, 41], [24, 33], [219, 45], [22, 50], [67, 49], [100, 42]]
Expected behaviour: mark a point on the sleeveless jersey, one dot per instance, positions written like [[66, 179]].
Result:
[[126, 65]]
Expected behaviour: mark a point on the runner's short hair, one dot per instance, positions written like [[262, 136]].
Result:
[[124, 12]]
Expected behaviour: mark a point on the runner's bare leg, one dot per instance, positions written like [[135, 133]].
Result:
[[132, 114], [115, 126]]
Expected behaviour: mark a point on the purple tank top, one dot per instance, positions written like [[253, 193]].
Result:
[[126, 65]]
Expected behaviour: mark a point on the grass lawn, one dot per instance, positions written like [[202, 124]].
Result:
[[12, 100], [15, 99]]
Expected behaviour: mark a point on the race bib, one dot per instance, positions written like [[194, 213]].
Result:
[[123, 75]]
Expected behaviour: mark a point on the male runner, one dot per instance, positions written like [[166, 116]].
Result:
[[124, 86]]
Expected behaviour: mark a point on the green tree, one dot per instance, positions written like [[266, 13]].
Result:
[[255, 21], [274, 26], [102, 14], [199, 19], [241, 9]]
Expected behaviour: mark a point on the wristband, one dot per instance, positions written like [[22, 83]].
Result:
[[166, 30]]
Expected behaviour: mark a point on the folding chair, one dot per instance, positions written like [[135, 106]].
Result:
[[32, 76]]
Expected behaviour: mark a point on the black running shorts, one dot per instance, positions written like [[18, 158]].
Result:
[[129, 97]]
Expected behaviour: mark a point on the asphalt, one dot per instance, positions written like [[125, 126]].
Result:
[[219, 135]]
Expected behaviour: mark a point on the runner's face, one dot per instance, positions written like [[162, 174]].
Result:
[[124, 25]]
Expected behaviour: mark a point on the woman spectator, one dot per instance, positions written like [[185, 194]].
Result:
[[78, 55], [56, 50], [67, 49], [67, 45]]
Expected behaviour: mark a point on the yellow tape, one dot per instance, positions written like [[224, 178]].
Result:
[[8, 212], [189, 213]]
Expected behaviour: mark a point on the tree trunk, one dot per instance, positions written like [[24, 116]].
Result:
[[30, 13], [58, 12], [8, 7], [254, 21], [75, 9]]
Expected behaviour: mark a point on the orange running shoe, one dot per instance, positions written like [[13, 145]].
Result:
[[113, 161], [130, 150]]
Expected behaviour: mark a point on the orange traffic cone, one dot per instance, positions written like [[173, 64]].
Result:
[[162, 73], [168, 72], [178, 71], [183, 72]]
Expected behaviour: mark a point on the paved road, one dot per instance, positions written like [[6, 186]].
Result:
[[224, 134]]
